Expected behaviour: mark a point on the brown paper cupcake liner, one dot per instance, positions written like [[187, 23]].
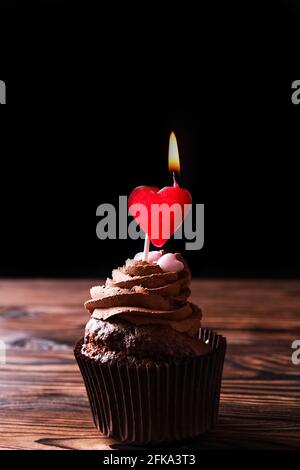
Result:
[[145, 404]]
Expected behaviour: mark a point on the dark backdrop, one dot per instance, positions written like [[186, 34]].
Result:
[[92, 97]]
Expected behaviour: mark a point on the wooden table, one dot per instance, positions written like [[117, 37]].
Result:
[[43, 404]]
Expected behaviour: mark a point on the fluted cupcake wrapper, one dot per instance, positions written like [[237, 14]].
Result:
[[156, 403]]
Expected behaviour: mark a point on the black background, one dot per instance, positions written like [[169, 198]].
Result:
[[93, 93]]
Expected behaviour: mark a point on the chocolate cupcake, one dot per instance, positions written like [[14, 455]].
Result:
[[152, 374]]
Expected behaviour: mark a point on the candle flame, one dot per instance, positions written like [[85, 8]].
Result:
[[174, 163]]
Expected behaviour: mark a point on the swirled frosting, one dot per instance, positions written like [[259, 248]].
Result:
[[142, 293]]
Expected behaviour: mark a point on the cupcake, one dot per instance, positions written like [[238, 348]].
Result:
[[152, 374]]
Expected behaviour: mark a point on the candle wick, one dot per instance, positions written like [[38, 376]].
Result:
[[175, 184]]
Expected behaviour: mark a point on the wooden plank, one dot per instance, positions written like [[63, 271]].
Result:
[[43, 404]]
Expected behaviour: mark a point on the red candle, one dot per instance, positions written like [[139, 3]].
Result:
[[165, 208]]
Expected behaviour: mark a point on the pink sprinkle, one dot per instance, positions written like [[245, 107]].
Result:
[[169, 263]]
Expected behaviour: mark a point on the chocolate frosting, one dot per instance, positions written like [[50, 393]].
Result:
[[141, 293]]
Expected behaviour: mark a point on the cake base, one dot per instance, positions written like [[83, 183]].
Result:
[[156, 404]]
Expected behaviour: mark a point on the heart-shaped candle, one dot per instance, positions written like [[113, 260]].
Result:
[[160, 212]]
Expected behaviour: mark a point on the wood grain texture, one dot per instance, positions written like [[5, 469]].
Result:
[[43, 404]]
